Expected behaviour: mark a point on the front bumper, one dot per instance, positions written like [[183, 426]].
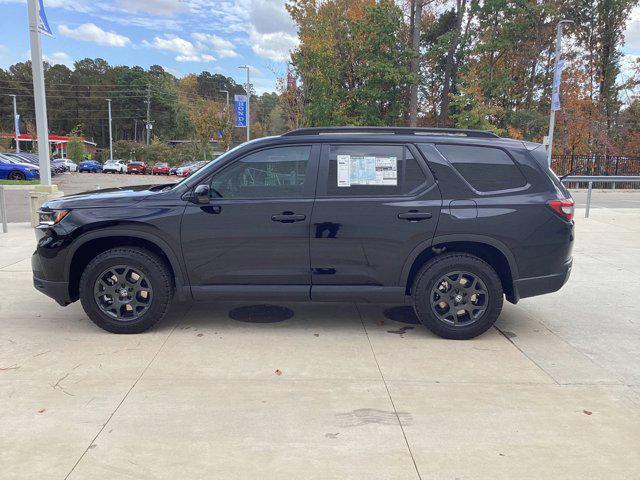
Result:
[[59, 291], [534, 286]]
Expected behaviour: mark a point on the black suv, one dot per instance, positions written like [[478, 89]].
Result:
[[449, 221]]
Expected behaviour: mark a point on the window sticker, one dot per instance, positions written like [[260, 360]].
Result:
[[367, 171]]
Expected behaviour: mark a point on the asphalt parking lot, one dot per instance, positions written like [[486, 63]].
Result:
[[345, 391]]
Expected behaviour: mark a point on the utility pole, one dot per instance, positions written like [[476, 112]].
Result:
[[556, 89], [15, 123], [247, 88], [148, 114], [415, 62], [110, 133], [37, 70], [135, 129], [227, 92]]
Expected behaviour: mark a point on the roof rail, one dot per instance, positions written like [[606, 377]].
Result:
[[392, 131]]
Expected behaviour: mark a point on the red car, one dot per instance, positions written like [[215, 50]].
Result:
[[137, 167], [160, 168]]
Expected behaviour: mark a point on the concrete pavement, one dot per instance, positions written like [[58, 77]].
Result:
[[334, 392]]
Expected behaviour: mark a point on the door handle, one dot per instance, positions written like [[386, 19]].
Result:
[[414, 216], [288, 217]]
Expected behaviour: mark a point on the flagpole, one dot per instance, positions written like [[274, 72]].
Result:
[[42, 130], [555, 89]]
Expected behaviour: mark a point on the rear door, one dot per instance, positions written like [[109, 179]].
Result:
[[375, 204]]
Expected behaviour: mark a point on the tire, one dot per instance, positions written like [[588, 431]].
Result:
[[16, 175], [463, 267], [154, 272]]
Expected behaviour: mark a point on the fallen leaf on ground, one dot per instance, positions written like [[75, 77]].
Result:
[[278, 372], [42, 410], [587, 412]]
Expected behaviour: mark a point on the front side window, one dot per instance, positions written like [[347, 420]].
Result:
[[486, 169], [368, 170], [278, 172]]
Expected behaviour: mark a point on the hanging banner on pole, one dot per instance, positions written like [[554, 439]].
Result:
[[240, 102], [43, 23], [17, 124], [557, 77]]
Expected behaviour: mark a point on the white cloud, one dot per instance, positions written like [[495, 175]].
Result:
[[274, 46], [269, 16], [156, 7], [90, 32], [58, 58], [185, 50], [220, 46], [632, 33], [272, 33]]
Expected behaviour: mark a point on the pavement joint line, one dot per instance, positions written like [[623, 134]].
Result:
[[375, 358], [127, 394], [527, 356], [539, 321], [14, 263]]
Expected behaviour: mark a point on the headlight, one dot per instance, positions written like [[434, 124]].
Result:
[[51, 217]]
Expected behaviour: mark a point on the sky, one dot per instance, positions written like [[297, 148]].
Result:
[[183, 36]]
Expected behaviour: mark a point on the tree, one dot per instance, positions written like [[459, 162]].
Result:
[[352, 61], [76, 150]]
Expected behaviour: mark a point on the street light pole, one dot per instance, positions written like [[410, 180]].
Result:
[[227, 92], [37, 70], [555, 89], [247, 89], [110, 134], [15, 123]]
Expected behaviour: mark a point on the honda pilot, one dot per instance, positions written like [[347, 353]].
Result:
[[448, 221]]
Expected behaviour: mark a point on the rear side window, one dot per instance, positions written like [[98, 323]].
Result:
[[372, 170], [486, 169]]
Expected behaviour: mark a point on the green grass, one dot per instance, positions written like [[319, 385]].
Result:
[[19, 182]]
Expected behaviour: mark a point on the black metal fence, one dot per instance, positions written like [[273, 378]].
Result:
[[597, 165]]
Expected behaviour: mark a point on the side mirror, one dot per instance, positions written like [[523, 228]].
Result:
[[201, 195]]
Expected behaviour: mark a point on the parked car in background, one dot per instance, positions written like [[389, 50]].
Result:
[[185, 170], [58, 166], [137, 167], [71, 165], [12, 169], [90, 166], [160, 168], [32, 159], [114, 166]]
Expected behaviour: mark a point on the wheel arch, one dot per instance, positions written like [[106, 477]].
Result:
[[492, 251], [90, 244]]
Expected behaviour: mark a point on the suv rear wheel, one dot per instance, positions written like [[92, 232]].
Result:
[[126, 290], [457, 296]]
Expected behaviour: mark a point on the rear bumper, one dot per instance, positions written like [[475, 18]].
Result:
[[533, 286]]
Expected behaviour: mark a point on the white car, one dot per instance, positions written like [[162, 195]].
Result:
[[114, 166], [71, 165]]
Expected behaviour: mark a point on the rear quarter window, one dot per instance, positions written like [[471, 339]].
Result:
[[486, 169]]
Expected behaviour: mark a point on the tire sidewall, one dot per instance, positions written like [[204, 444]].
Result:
[[160, 297], [436, 269]]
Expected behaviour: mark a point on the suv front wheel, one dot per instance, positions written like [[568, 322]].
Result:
[[457, 296], [126, 290]]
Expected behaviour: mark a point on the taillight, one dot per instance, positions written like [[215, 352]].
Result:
[[564, 208]]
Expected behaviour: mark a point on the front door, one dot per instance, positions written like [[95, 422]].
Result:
[[254, 234], [376, 204]]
